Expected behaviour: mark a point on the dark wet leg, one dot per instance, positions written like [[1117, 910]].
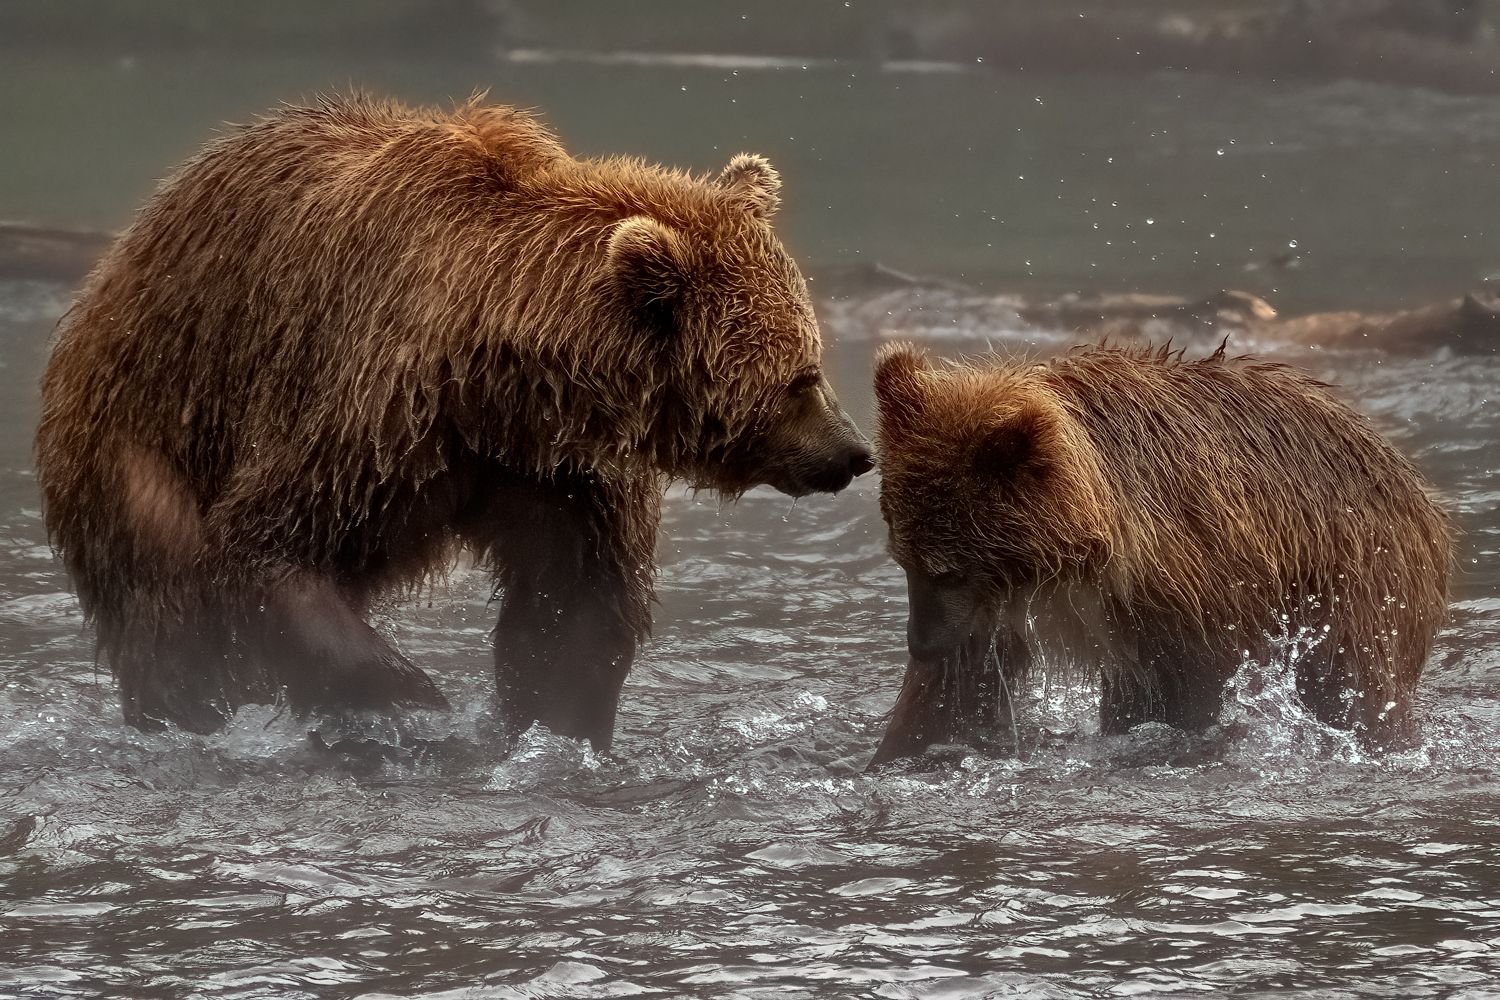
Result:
[[327, 658], [573, 605]]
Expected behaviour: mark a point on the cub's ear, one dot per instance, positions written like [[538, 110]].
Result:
[[648, 259], [900, 372], [1007, 445], [752, 180]]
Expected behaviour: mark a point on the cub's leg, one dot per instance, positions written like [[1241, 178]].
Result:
[[1350, 684], [1174, 677], [960, 697]]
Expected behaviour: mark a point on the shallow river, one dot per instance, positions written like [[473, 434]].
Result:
[[733, 845]]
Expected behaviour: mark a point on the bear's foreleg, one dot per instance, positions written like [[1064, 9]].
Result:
[[574, 559], [966, 696]]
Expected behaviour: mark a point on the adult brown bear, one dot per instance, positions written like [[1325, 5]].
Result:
[[346, 340], [1156, 522]]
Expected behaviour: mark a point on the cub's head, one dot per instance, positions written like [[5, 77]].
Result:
[[746, 401], [989, 487]]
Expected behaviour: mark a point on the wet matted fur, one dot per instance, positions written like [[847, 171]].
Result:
[[346, 340], [1158, 521]]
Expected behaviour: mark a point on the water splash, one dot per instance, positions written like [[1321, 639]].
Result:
[[1262, 701]]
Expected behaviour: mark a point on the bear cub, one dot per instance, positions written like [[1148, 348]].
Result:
[[1155, 522]]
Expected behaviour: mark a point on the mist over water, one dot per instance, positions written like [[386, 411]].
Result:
[[733, 844]]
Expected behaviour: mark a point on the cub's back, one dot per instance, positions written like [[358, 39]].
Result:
[[1233, 471], [1167, 426]]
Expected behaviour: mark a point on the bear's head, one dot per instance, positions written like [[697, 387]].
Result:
[[990, 488], [745, 400]]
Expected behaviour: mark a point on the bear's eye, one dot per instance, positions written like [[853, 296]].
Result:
[[802, 383], [943, 575], [951, 579]]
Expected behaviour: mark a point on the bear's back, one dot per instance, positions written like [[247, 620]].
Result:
[[1154, 414], [1234, 469], [279, 253]]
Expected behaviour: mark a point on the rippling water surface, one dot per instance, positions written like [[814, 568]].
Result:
[[734, 845]]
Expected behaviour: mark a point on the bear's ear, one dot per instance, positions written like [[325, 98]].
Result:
[[1007, 445], [899, 373], [752, 180], [648, 259]]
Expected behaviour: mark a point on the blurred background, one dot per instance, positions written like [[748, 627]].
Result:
[[1326, 154]]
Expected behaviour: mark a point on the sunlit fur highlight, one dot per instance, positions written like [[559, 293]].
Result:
[[335, 326], [1164, 517]]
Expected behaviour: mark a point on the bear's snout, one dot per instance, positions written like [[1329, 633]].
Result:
[[831, 472], [861, 460], [940, 616], [847, 462], [814, 448]]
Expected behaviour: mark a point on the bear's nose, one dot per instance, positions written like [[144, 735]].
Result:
[[860, 461], [931, 641]]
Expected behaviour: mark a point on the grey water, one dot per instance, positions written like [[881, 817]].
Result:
[[732, 844]]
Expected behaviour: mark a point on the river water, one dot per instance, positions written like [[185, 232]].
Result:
[[733, 844]]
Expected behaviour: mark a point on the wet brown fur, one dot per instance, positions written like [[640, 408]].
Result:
[[347, 339], [1156, 518]]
